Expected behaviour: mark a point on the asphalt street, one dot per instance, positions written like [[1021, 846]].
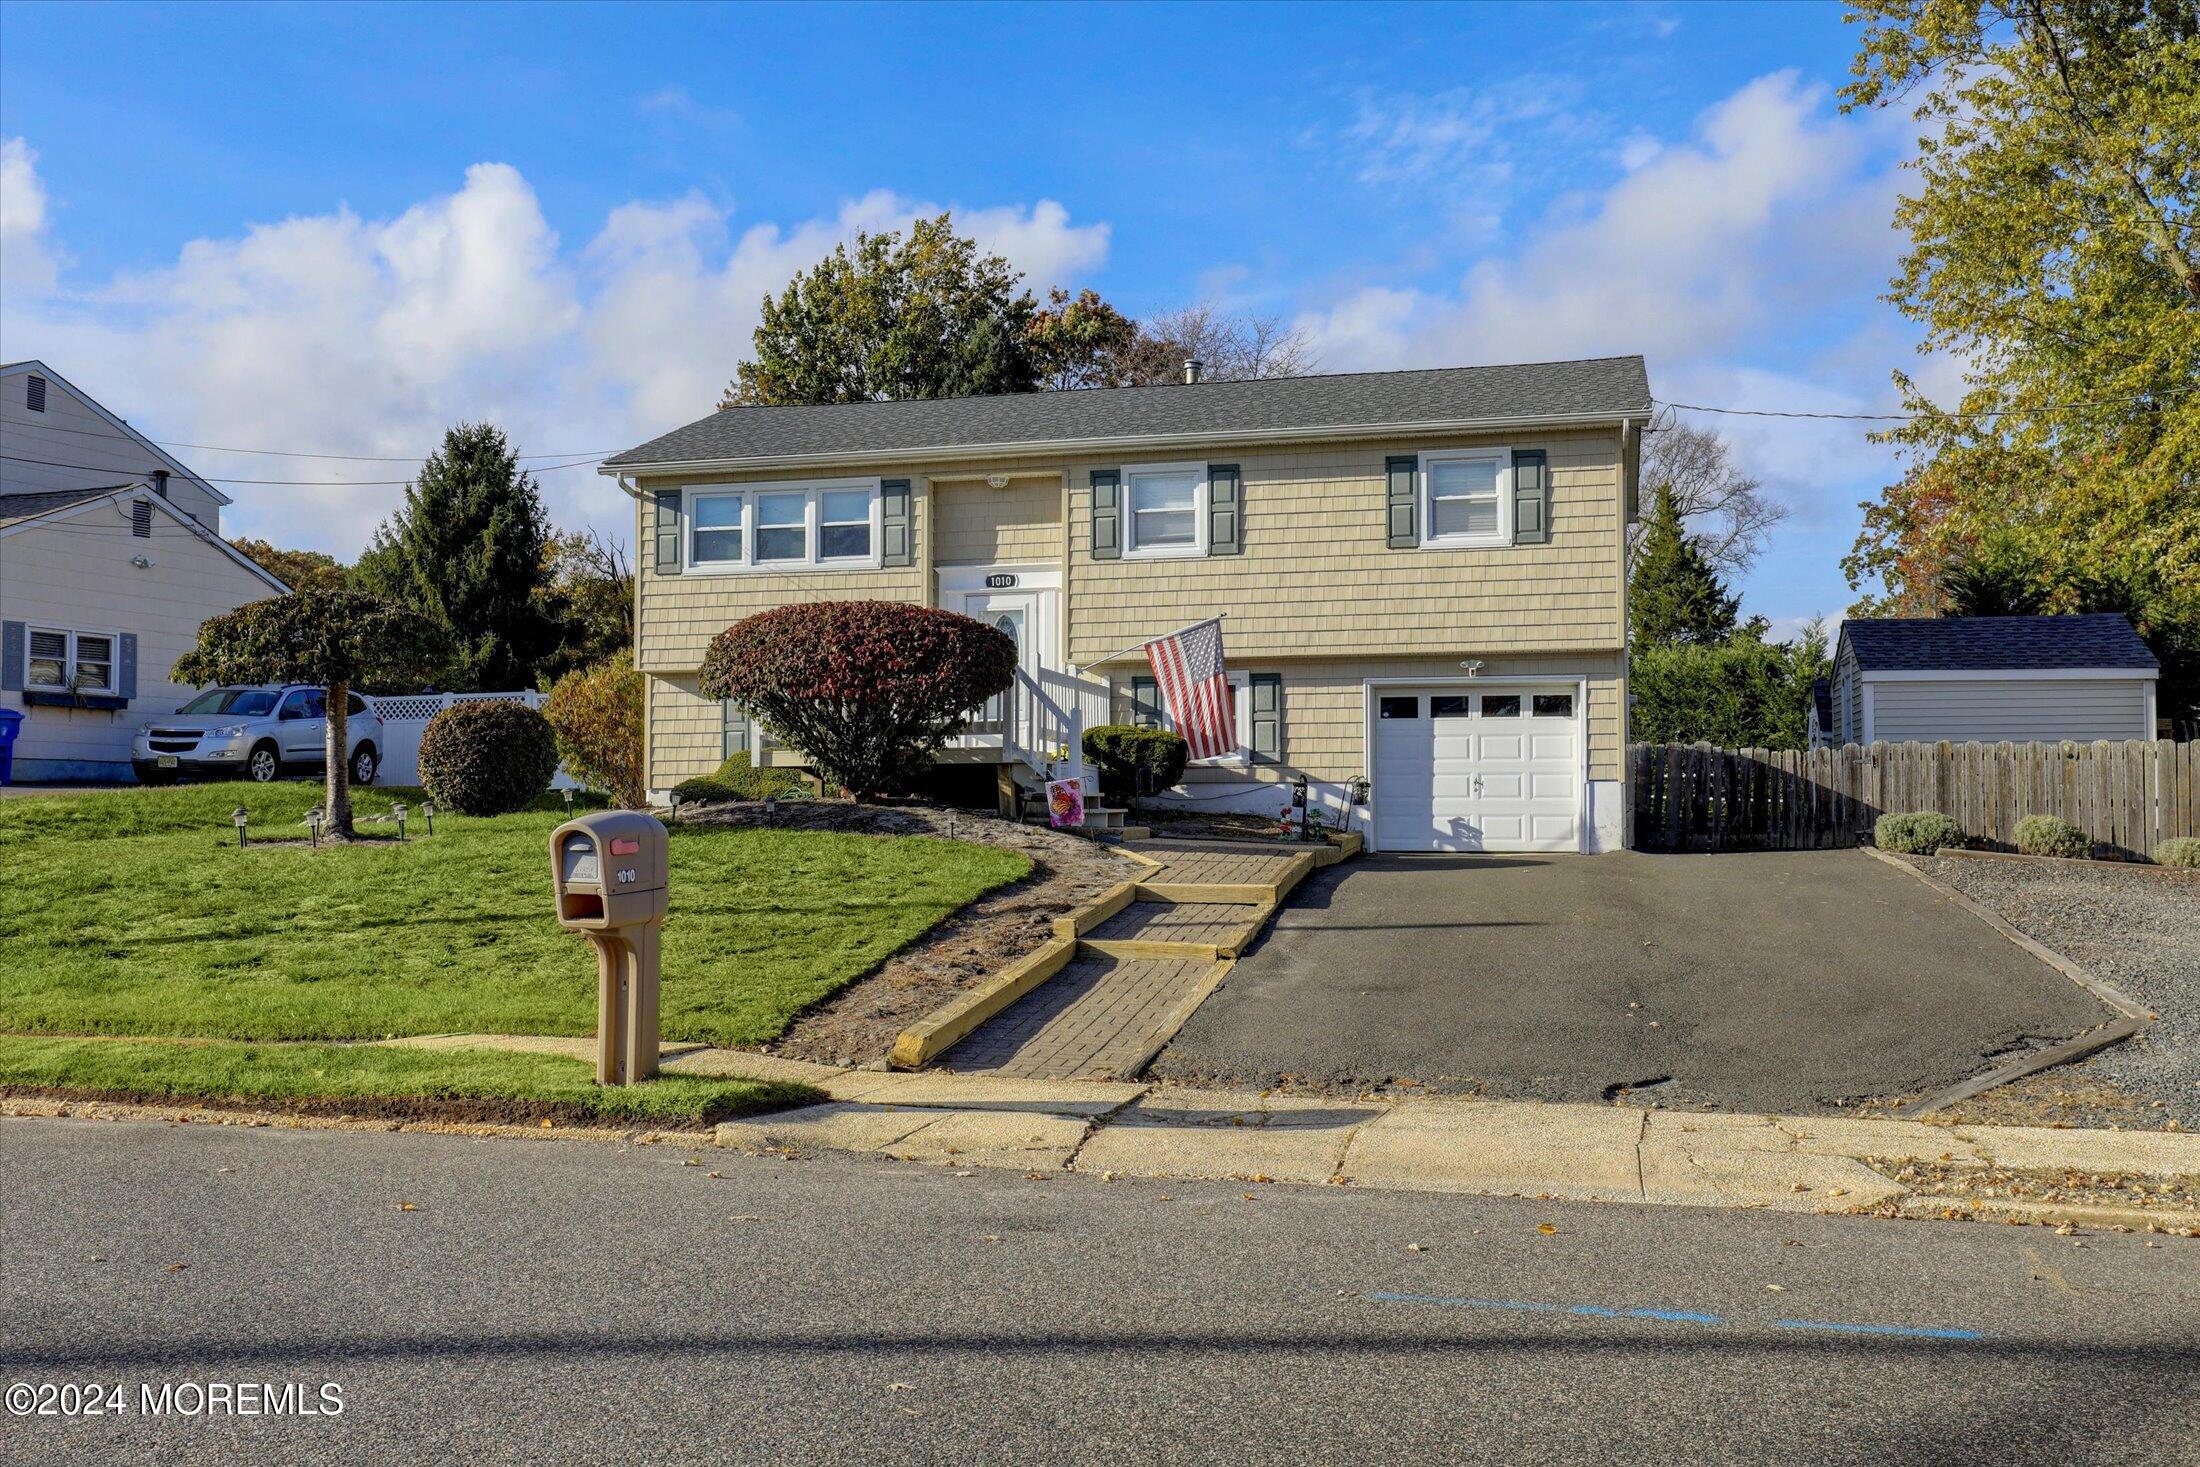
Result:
[[566, 1301], [1767, 981]]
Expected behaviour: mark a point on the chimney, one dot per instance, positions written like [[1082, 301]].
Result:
[[1192, 369], [160, 482]]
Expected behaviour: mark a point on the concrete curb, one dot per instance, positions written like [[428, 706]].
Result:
[[1492, 1148]]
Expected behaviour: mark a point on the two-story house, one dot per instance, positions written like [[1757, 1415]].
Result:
[[111, 556], [1422, 576]]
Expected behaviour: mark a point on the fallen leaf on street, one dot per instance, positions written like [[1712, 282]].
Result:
[[1777, 1288], [406, 1207]]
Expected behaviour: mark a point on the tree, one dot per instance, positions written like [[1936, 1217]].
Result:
[[301, 570], [1723, 508], [336, 640], [894, 318], [2053, 250], [1081, 341], [596, 713], [588, 600], [866, 689], [469, 549], [1229, 348], [1743, 693], [1674, 595]]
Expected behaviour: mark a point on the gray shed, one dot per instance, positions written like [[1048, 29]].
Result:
[[1990, 679]]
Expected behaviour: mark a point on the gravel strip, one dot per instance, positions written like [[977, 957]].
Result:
[[2131, 926]]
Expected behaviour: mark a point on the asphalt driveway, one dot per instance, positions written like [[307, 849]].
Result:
[[1776, 981]]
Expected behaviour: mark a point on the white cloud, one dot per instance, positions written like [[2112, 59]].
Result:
[[26, 259], [338, 334]]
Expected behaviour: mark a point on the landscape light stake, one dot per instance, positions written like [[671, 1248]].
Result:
[[313, 826], [239, 816], [427, 813], [399, 812]]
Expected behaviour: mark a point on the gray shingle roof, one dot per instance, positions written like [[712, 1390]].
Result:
[[18, 507], [1608, 386], [1996, 643]]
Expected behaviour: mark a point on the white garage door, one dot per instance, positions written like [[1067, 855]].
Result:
[[1460, 770]]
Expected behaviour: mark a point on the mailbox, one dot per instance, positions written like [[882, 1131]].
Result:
[[608, 873]]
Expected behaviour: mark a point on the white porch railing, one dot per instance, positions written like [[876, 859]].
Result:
[[1038, 718]]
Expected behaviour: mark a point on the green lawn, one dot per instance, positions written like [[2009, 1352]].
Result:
[[491, 1083], [134, 913]]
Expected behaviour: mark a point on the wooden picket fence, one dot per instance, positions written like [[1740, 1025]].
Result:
[[1692, 797]]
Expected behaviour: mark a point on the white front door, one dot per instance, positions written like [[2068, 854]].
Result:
[[1007, 612], [1459, 768]]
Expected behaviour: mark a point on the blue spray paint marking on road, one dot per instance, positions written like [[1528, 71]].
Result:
[[1679, 1316], [1913, 1332]]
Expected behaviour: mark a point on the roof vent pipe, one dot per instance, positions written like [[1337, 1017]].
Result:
[[1192, 369]]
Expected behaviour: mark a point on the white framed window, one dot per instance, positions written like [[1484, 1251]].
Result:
[[1466, 497], [1144, 695], [739, 528], [70, 661], [1165, 509]]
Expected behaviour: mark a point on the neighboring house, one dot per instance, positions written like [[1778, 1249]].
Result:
[[1423, 574], [110, 558], [1989, 679]]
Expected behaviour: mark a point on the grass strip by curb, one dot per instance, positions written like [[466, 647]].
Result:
[[447, 1084]]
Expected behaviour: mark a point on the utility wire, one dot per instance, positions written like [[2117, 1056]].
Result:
[[2062, 407], [304, 483], [363, 458]]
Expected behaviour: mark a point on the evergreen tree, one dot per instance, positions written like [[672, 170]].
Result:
[[469, 550], [1674, 596]]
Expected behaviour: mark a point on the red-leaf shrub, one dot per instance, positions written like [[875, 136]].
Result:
[[867, 690]]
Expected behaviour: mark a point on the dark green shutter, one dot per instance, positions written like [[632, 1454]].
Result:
[[1225, 510], [1531, 497], [733, 730], [1402, 475], [126, 665], [13, 637], [667, 560], [1145, 702], [899, 545], [1266, 693], [1107, 514]]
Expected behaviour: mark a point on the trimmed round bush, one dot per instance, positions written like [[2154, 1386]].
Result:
[[2049, 835], [1129, 758], [1916, 833], [867, 690], [487, 757], [2181, 851]]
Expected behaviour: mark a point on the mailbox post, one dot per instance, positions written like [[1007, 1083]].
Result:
[[608, 871]]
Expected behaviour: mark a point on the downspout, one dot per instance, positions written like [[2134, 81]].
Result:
[[634, 492], [1630, 500]]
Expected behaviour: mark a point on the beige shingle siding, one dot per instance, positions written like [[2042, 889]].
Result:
[[1325, 709], [1316, 573], [1018, 525], [685, 732]]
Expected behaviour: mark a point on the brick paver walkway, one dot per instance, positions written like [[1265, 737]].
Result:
[[1214, 866], [1098, 1018], [1209, 922]]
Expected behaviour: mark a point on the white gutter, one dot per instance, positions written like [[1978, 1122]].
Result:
[[1056, 447]]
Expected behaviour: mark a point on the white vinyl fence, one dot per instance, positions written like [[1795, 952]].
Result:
[[405, 719]]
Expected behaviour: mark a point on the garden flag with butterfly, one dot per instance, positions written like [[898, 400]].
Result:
[[1195, 691]]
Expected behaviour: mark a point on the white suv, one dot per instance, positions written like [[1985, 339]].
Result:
[[254, 733]]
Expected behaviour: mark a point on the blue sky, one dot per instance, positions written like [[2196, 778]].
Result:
[[334, 229]]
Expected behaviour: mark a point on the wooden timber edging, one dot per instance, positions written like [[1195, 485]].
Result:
[[941, 1030], [2129, 797]]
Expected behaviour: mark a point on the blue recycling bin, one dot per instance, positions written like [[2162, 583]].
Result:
[[11, 722]]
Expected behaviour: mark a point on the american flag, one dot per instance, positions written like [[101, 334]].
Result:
[[1194, 690]]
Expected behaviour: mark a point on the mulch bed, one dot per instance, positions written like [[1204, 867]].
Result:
[[858, 1024]]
